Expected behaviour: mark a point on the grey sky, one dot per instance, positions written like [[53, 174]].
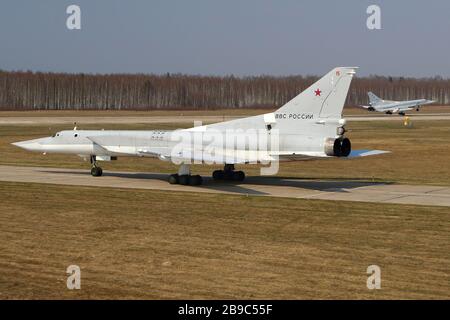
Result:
[[241, 37]]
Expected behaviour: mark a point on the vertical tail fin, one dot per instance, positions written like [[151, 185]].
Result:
[[373, 99], [325, 98]]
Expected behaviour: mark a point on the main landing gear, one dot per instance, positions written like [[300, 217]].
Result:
[[228, 173], [96, 171], [184, 177]]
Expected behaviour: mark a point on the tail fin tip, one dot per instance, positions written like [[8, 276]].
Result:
[[326, 97]]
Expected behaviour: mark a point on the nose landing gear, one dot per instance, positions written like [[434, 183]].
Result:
[[96, 171]]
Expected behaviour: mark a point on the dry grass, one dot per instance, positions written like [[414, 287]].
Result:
[[420, 155], [150, 244]]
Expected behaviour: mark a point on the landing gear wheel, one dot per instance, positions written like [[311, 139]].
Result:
[[238, 176], [173, 179], [218, 175], [195, 180], [96, 171], [183, 179], [228, 174], [346, 147]]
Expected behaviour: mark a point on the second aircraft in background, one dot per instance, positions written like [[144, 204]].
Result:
[[390, 107]]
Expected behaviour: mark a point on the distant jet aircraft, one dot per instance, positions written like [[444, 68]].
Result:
[[390, 107], [310, 126]]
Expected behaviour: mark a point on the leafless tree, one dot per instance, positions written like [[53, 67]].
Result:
[[58, 91]]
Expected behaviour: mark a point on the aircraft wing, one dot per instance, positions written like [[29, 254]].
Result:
[[126, 146], [401, 106], [242, 156], [298, 156], [217, 156], [200, 157], [114, 144], [400, 109]]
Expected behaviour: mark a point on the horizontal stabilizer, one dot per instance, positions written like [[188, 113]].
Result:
[[366, 153]]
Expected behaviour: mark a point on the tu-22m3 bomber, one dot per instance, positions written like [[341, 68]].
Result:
[[310, 126]]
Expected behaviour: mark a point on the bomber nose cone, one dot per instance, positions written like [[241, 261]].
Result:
[[30, 145]]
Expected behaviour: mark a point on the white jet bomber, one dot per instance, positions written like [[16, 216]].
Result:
[[390, 106], [310, 126]]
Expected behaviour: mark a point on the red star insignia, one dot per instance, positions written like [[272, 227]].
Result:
[[318, 92]]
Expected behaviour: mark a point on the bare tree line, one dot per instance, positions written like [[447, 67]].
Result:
[[59, 91]]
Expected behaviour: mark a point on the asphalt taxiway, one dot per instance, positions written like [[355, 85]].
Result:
[[339, 190]]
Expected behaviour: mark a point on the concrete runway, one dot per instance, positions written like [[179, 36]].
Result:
[[188, 119], [253, 186]]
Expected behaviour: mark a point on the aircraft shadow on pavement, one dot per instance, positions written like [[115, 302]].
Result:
[[130, 175], [327, 185], [330, 185], [208, 182]]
